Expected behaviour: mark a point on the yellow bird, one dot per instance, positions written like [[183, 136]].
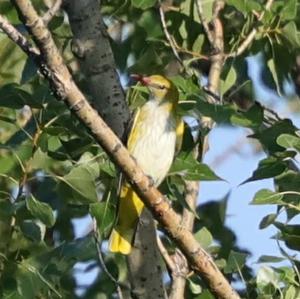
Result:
[[156, 133]]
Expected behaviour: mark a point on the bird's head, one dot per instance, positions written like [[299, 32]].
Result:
[[160, 87]]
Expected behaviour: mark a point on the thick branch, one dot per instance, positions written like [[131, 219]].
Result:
[[144, 262], [62, 81], [91, 46]]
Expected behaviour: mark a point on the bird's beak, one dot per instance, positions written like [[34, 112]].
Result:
[[144, 80]]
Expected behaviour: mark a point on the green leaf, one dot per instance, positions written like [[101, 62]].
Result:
[[28, 283], [104, 213], [204, 237], [40, 210], [287, 274], [268, 137], [273, 70], [290, 234], [31, 282], [77, 146], [81, 249], [289, 141], [207, 7], [41, 160], [291, 33], [143, 4], [229, 114], [194, 287], [229, 81], [205, 295], [267, 220], [29, 71], [149, 61], [252, 118], [291, 229], [245, 6], [292, 293], [78, 186], [265, 276], [270, 259], [188, 167], [33, 230], [265, 196], [267, 168], [108, 168], [198, 43], [235, 262], [289, 182], [289, 11], [13, 96]]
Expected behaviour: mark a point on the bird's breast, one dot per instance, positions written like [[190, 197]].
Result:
[[155, 146]]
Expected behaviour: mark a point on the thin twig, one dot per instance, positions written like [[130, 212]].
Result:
[[249, 39], [204, 23], [164, 252], [52, 11], [217, 59], [186, 51], [102, 262], [17, 37], [168, 35]]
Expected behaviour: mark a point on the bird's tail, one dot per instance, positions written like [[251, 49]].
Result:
[[130, 209]]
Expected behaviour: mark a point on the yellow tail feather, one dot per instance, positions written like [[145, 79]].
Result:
[[129, 211], [120, 241]]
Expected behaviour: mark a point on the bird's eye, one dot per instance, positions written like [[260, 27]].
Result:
[[161, 86]]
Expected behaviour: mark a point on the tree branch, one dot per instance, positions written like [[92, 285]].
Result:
[[91, 46], [67, 90], [249, 39], [144, 262], [188, 219], [53, 10], [204, 23], [102, 262], [217, 58], [18, 38], [170, 38]]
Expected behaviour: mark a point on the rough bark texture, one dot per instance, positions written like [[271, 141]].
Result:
[[91, 46], [66, 89], [146, 280]]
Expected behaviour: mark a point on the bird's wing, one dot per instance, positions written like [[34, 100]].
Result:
[[179, 134], [135, 131]]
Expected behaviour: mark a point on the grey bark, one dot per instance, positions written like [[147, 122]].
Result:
[[144, 263], [91, 46]]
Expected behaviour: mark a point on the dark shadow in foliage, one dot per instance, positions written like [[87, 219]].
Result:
[[212, 215]]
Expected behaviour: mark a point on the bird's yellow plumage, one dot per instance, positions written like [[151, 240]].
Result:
[[154, 137]]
